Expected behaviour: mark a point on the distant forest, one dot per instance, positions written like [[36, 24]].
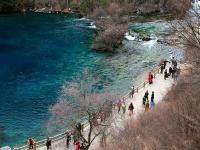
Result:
[[89, 5], [26, 5]]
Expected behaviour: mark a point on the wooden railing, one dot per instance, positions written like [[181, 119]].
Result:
[[61, 136], [154, 71]]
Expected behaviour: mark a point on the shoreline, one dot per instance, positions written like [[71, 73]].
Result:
[[44, 13], [59, 140], [136, 100]]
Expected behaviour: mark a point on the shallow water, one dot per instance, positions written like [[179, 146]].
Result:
[[39, 52]]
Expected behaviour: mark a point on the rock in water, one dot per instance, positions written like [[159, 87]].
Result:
[[146, 39]]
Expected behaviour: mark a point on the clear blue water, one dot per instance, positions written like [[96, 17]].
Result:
[[39, 52]]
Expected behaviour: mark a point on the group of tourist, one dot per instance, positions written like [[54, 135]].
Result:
[[78, 146], [76, 142], [173, 71], [145, 100], [121, 106], [32, 144]]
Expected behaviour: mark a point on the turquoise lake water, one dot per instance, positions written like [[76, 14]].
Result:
[[39, 52]]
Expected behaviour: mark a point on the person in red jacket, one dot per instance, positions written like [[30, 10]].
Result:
[[150, 78], [77, 145]]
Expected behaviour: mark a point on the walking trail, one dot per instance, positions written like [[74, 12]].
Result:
[[160, 88]]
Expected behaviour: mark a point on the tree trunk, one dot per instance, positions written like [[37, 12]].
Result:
[[90, 131]]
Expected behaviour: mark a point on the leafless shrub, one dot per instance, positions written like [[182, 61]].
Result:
[[98, 13], [177, 7], [148, 8], [39, 4], [188, 34], [79, 102], [173, 124], [110, 38], [112, 24]]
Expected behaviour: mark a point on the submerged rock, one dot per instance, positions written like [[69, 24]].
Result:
[[146, 39], [162, 41]]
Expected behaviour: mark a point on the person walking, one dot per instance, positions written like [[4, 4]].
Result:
[[150, 78], [123, 107], [132, 92], [68, 139], [152, 96], [77, 145], [165, 74], [165, 63], [152, 100], [162, 68], [48, 143], [130, 108], [173, 60], [170, 71], [119, 105], [174, 69], [146, 95], [144, 100], [30, 143]]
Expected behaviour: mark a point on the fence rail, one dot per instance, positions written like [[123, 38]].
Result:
[[61, 136]]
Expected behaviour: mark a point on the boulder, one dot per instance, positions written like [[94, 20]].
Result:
[[146, 39]]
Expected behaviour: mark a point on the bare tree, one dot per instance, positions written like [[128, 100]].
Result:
[[81, 103], [174, 123], [188, 33], [112, 23]]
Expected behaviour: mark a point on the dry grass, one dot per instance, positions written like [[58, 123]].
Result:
[[173, 125]]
